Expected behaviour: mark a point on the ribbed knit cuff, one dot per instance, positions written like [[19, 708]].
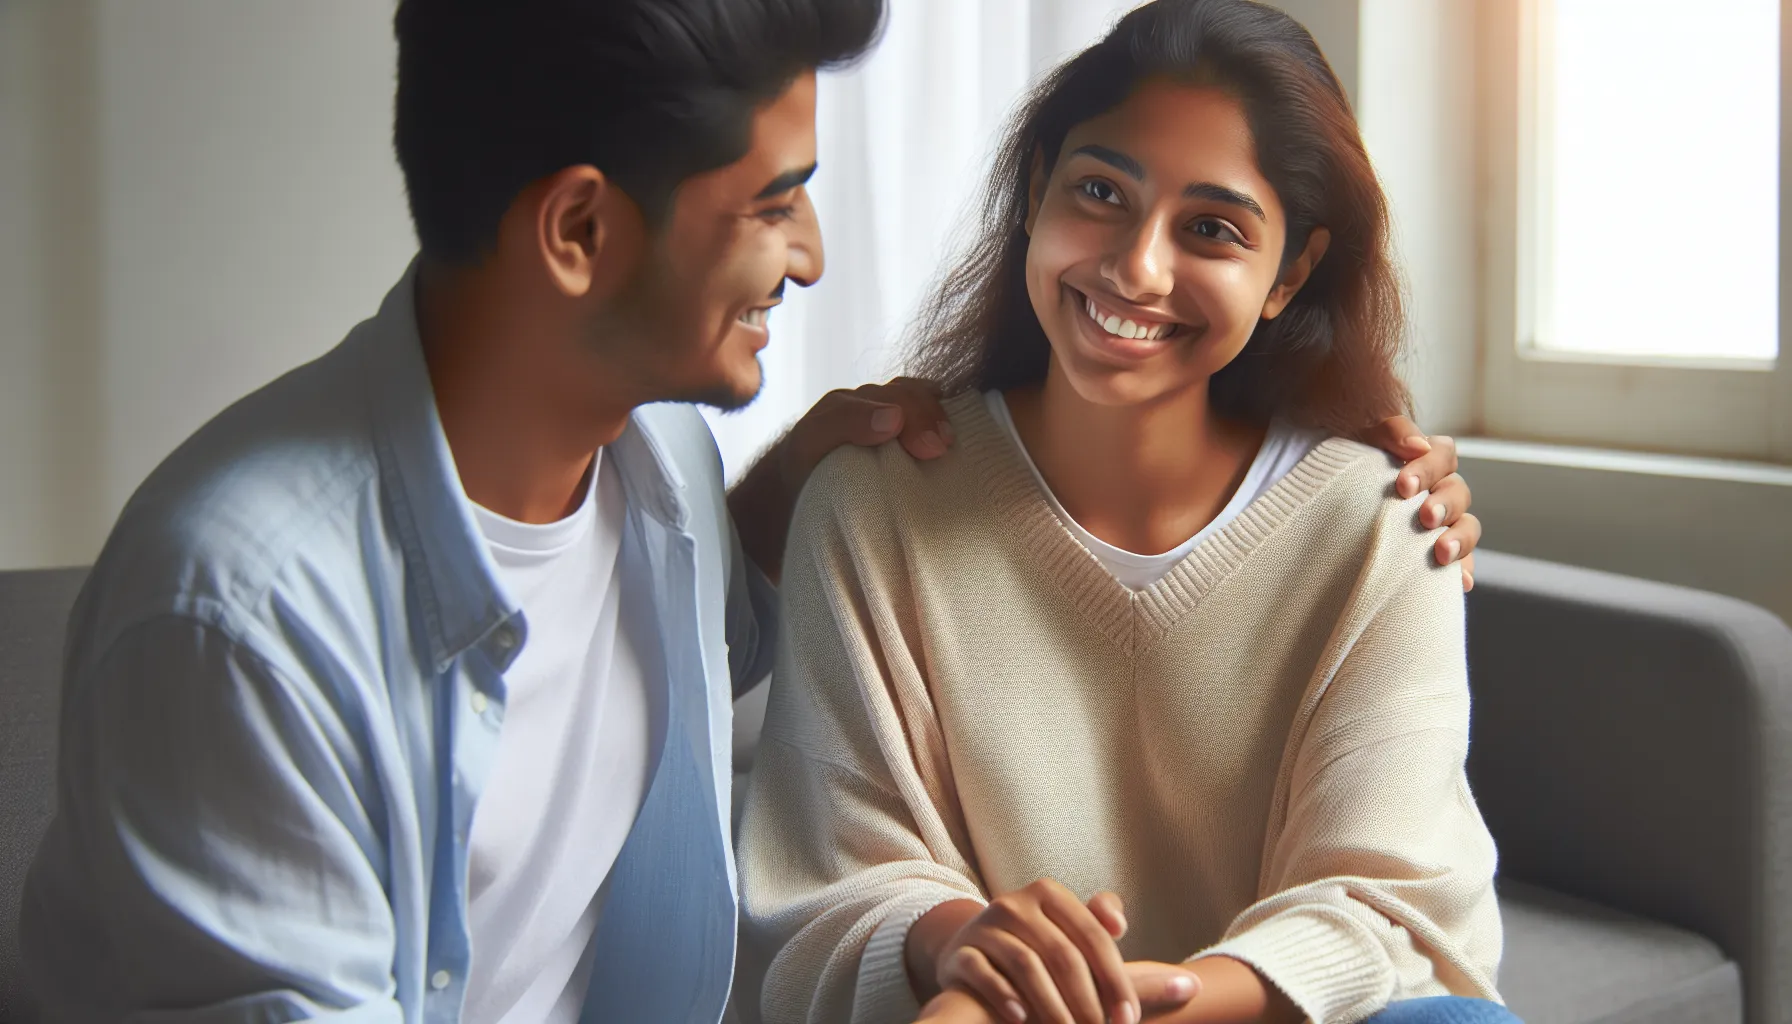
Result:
[[883, 995], [1320, 959]]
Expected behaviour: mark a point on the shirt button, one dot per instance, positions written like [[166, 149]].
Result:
[[479, 703], [440, 980], [505, 638]]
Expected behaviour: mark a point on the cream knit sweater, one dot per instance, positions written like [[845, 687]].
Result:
[[1262, 754]]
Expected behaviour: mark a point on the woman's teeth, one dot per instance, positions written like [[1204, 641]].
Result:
[[1126, 328], [754, 317]]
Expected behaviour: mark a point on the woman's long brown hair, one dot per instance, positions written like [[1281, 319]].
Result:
[[1328, 359]]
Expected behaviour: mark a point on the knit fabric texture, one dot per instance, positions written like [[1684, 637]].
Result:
[[1261, 754]]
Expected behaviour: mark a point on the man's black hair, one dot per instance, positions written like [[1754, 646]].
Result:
[[495, 94]]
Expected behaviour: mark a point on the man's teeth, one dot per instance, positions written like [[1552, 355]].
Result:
[[1126, 328], [754, 317]]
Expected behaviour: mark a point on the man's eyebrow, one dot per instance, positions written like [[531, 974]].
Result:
[[787, 181], [1114, 158], [1222, 194]]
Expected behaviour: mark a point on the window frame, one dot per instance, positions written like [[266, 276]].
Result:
[[1719, 407]]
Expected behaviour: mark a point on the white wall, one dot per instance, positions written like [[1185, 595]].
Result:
[[253, 211], [23, 374], [1417, 107], [208, 198]]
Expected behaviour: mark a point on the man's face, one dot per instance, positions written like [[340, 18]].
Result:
[[694, 315]]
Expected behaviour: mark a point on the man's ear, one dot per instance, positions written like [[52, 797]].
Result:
[[1297, 273], [586, 231], [1037, 177]]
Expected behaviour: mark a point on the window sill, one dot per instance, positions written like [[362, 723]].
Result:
[[1685, 467], [1713, 524], [1721, 364]]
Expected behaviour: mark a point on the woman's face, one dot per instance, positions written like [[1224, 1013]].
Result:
[[1156, 245]]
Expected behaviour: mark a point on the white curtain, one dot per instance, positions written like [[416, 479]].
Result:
[[906, 139]]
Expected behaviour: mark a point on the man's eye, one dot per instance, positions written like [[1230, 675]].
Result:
[[1218, 230], [778, 214], [1100, 191]]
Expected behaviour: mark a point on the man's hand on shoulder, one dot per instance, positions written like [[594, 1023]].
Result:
[[1431, 466], [905, 409]]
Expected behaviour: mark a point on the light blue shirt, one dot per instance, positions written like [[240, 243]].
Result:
[[282, 697]]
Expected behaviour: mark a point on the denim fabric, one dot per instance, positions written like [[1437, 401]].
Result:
[[1445, 1010]]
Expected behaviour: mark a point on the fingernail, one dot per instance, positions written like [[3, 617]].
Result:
[[1014, 1011], [1418, 441], [885, 420], [1180, 987], [1468, 581], [1409, 485], [1120, 919], [931, 440], [1437, 510], [1454, 548], [1125, 1015]]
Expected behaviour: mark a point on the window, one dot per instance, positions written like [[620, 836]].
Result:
[[1633, 237], [1679, 170]]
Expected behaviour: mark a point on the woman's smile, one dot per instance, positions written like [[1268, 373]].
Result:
[[1111, 334]]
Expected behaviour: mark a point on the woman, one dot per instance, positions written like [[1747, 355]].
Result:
[[1150, 668]]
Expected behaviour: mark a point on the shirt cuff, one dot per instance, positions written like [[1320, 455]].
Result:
[[1320, 958]]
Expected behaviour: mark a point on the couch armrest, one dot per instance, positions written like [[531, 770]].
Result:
[[1632, 745]]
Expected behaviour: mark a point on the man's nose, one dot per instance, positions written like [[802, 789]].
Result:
[[806, 259]]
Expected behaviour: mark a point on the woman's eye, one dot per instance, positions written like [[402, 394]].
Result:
[[1101, 192], [1218, 230]]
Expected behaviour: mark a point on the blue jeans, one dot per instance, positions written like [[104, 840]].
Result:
[[1444, 1010]]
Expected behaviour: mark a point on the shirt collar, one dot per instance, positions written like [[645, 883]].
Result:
[[456, 582], [462, 601], [649, 473]]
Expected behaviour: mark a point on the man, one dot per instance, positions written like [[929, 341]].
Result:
[[401, 691]]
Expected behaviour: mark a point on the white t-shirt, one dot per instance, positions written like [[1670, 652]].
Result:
[[1283, 447], [572, 762]]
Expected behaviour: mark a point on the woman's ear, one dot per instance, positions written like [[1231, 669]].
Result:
[[1297, 273], [1036, 181]]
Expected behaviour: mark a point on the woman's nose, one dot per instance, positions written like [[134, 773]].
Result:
[[1140, 269]]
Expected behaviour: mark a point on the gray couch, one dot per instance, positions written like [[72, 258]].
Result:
[[33, 609], [1632, 753]]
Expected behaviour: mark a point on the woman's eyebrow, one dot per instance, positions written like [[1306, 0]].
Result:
[[1115, 159], [1200, 190], [1222, 194]]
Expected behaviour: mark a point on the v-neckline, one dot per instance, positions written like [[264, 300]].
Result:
[[1133, 620]]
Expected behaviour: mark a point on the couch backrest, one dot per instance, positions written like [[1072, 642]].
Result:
[[34, 607]]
